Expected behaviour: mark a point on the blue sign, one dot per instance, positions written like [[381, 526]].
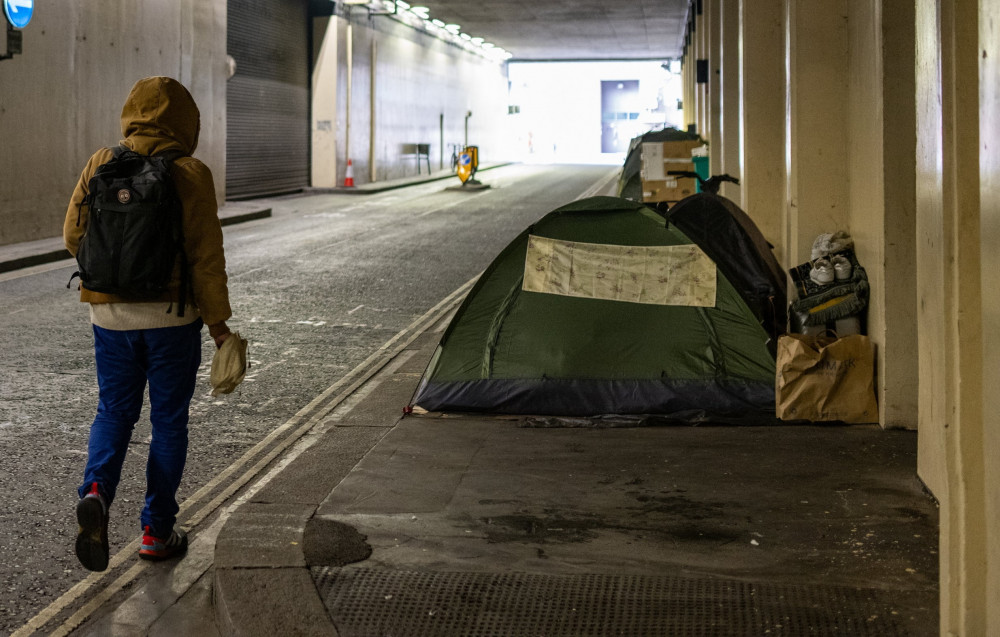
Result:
[[465, 159], [18, 12]]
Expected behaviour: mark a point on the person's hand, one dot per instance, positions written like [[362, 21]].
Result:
[[220, 339]]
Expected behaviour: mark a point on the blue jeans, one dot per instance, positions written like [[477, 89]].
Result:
[[168, 358]]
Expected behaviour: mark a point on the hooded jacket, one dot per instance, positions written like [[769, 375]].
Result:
[[161, 115]]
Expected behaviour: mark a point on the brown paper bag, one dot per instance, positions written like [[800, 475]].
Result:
[[229, 365], [825, 379]]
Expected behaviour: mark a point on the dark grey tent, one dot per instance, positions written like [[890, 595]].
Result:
[[602, 307]]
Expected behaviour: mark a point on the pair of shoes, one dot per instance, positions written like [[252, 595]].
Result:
[[154, 548], [841, 268], [822, 272], [92, 536]]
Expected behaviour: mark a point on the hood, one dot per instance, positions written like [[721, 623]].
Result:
[[160, 115]]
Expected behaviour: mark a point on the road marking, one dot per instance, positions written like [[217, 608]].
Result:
[[601, 185], [300, 424], [241, 274], [465, 198]]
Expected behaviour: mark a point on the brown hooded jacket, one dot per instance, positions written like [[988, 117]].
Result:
[[160, 115]]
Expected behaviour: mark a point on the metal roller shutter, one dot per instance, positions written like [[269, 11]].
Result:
[[267, 100]]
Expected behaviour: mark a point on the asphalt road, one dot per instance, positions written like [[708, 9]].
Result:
[[316, 288]]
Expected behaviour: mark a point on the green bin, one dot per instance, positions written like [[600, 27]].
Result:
[[701, 167]]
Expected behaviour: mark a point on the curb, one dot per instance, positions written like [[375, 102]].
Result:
[[31, 253], [272, 601], [43, 251], [377, 187], [267, 592]]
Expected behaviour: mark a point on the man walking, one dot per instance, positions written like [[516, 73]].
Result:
[[150, 340]]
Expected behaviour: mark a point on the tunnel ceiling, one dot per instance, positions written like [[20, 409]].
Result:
[[571, 29]]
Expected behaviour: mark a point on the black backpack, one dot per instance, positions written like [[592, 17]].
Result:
[[134, 232]]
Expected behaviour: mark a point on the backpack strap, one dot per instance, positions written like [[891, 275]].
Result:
[[170, 156]]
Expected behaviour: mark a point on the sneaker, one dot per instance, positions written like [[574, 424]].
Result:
[[822, 272], [841, 268], [154, 548], [92, 536]]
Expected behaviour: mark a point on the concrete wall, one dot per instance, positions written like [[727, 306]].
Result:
[[62, 97], [392, 85], [80, 61]]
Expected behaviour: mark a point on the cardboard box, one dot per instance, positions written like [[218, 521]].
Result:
[[658, 159]]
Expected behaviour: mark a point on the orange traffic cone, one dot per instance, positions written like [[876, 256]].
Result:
[[349, 176]]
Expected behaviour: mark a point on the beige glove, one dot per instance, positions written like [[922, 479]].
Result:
[[229, 365]]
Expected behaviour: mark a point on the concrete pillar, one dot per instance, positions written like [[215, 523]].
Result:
[[892, 317], [324, 103], [372, 110], [953, 245], [690, 71], [686, 88], [729, 88], [349, 91], [930, 283], [817, 85], [762, 118], [713, 22], [989, 239], [701, 53], [962, 528]]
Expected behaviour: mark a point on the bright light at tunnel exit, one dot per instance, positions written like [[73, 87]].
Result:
[[588, 112]]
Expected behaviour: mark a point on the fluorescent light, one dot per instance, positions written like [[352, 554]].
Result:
[[437, 23], [478, 41], [465, 36], [488, 45], [454, 28], [421, 11], [402, 5]]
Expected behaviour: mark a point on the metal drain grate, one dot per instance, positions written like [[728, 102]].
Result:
[[380, 603]]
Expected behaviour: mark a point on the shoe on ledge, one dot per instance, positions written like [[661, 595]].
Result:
[[154, 548]]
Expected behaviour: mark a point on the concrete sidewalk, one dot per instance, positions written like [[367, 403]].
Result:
[[464, 525]]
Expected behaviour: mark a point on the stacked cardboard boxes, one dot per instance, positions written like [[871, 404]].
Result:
[[658, 160]]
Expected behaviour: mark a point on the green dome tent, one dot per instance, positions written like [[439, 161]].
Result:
[[601, 307]]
